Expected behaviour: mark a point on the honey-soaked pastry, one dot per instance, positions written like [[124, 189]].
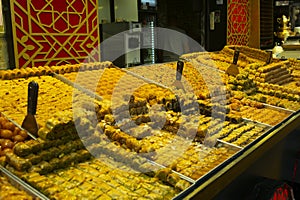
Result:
[[17, 162], [36, 71], [63, 164], [97, 178], [30, 71], [163, 174], [22, 149], [173, 179], [10, 192], [19, 73], [5, 74], [49, 102]]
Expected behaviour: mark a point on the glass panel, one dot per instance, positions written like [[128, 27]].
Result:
[[104, 11], [151, 2], [126, 10]]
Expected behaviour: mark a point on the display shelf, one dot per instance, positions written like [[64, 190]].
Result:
[[206, 177], [214, 170]]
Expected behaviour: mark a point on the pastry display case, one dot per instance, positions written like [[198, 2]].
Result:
[[138, 133]]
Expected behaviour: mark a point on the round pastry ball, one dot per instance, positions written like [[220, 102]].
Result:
[[16, 131], [3, 152], [9, 126], [23, 133], [6, 134], [2, 121], [18, 138], [6, 143]]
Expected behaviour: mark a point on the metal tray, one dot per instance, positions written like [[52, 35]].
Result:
[[279, 109], [94, 94], [219, 144], [142, 78], [268, 126], [77, 86], [228, 145], [179, 174], [210, 173], [282, 110], [21, 185]]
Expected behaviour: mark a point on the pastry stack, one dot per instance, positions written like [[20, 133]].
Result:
[[274, 73], [247, 54]]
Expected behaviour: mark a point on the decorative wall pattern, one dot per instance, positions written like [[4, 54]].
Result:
[[55, 32], [238, 25]]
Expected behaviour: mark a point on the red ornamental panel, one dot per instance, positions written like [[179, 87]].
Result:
[[55, 32], [238, 28]]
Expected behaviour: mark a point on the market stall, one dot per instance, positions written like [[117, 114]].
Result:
[[147, 132]]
